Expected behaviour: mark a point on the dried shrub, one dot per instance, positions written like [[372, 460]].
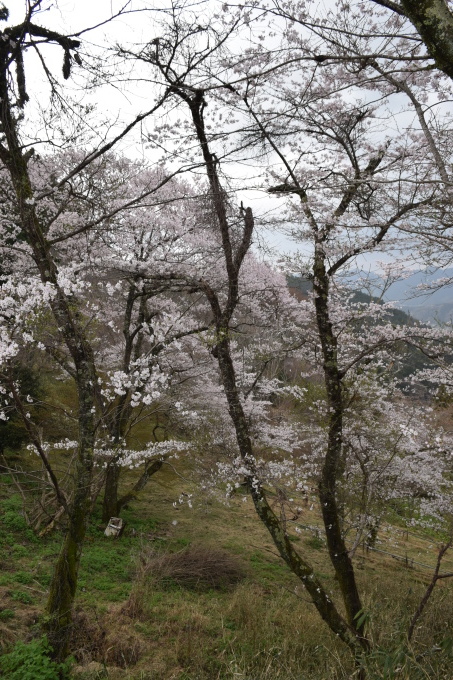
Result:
[[134, 607], [123, 648], [87, 638], [196, 568], [91, 641]]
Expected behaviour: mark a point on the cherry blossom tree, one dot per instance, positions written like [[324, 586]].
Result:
[[353, 183], [334, 212], [153, 288], [140, 321], [47, 281], [95, 240]]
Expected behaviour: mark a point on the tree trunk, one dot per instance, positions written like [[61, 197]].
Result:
[[150, 469], [110, 500], [434, 22], [330, 473], [64, 580]]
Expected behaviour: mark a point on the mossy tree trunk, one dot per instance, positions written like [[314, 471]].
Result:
[[15, 160], [433, 20]]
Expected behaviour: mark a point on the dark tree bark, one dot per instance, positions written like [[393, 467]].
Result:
[[64, 580], [119, 420], [429, 590], [299, 566], [333, 377], [434, 23], [346, 630], [331, 467], [110, 500], [150, 469]]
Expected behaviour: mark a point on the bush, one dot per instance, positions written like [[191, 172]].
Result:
[[14, 521], [195, 568], [32, 662]]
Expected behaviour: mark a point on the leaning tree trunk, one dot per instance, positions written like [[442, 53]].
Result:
[[151, 467], [323, 603], [234, 257]]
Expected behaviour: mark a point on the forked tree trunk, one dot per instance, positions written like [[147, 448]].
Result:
[[113, 503]]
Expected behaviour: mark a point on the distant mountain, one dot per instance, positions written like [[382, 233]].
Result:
[[434, 306], [399, 316], [429, 313], [410, 358]]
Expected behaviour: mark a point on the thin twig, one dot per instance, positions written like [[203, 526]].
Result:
[[429, 590]]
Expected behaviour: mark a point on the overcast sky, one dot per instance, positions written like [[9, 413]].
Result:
[[123, 101]]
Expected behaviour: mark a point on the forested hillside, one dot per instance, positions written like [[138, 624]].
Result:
[[219, 459]]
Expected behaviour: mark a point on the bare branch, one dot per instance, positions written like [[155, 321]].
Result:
[[388, 4], [429, 590]]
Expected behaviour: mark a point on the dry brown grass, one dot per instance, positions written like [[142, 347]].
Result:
[[196, 568], [107, 640], [199, 568], [7, 637], [88, 637]]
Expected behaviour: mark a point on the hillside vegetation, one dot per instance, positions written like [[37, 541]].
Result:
[[279, 448], [199, 593]]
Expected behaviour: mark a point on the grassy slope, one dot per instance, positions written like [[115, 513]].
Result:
[[264, 628]]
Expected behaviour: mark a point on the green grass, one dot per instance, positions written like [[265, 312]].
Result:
[[262, 629], [22, 596]]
